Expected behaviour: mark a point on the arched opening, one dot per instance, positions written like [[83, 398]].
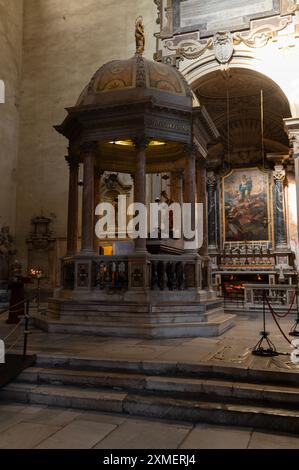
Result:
[[251, 217], [233, 100]]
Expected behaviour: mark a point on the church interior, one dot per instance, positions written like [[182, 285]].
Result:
[[110, 339]]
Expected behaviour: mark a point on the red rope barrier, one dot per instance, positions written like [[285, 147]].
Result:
[[281, 315], [280, 329], [273, 313]]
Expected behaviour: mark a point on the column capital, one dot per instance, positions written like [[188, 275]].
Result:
[[88, 147], [211, 179], [179, 174], [98, 173], [72, 161], [201, 164], [279, 173], [141, 142], [292, 129], [191, 149]]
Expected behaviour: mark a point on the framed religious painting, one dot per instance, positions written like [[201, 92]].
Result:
[[246, 206]]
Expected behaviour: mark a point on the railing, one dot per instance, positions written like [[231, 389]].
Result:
[[233, 295], [68, 274], [279, 295], [23, 322], [167, 275], [173, 273], [110, 273], [121, 273]]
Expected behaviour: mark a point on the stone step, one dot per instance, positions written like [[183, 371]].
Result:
[[154, 406], [283, 396], [229, 372], [157, 318], [218, 326]]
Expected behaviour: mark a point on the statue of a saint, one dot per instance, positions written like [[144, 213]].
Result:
[[140, 36]]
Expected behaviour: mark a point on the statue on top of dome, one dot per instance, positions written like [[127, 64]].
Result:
[[140, 36]]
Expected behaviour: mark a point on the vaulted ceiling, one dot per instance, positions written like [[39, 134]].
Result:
[[241, 114]]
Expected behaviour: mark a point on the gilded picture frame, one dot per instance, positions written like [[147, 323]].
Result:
[[246, 206]]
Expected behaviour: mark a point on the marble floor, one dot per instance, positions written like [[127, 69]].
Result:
[[31, 426], [232, 348], [41, 427]]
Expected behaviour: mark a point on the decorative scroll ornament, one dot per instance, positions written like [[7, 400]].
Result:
[[189, 49], [261, 35], [223, 46], [140, 36]]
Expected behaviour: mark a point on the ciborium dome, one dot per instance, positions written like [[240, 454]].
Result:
[[135, 98], [135, 78]]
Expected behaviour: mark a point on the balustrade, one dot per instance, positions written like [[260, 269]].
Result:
[[110, 274], [68, 275], [279, 295]]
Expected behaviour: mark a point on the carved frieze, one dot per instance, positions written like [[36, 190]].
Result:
[[179, 43]]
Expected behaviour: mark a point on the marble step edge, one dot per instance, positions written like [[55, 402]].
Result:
[[217, 320], [154, 319], [136, 314], [208, 303], [194, 369], [156, 407], [191, 387]]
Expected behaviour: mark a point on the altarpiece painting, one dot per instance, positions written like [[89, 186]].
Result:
[[246, 206]]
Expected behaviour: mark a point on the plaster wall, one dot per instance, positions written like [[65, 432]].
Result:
[[64, 44], [11, 35]]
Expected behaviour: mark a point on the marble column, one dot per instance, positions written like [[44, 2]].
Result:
[[190, 183], [97, 200], [212, 210], [72, 221], [140, 184], [279, 206], [88, 152], [176, 187], [292, 129], [202, 199]]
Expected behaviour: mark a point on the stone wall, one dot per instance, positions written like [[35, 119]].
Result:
[[64, 44], [11, 34]]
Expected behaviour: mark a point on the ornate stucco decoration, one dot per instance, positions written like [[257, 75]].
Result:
[[175, 46], [140, 36], [223, 46], [190, 48]]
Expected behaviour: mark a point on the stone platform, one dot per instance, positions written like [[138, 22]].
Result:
[[141, 320]]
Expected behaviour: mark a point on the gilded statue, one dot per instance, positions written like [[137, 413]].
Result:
[[140, 36]]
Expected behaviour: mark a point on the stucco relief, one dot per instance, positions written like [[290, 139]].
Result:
[[193, 42]]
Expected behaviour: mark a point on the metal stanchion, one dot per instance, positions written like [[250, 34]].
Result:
[[26, 330], [295, 329], [269, 350]]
